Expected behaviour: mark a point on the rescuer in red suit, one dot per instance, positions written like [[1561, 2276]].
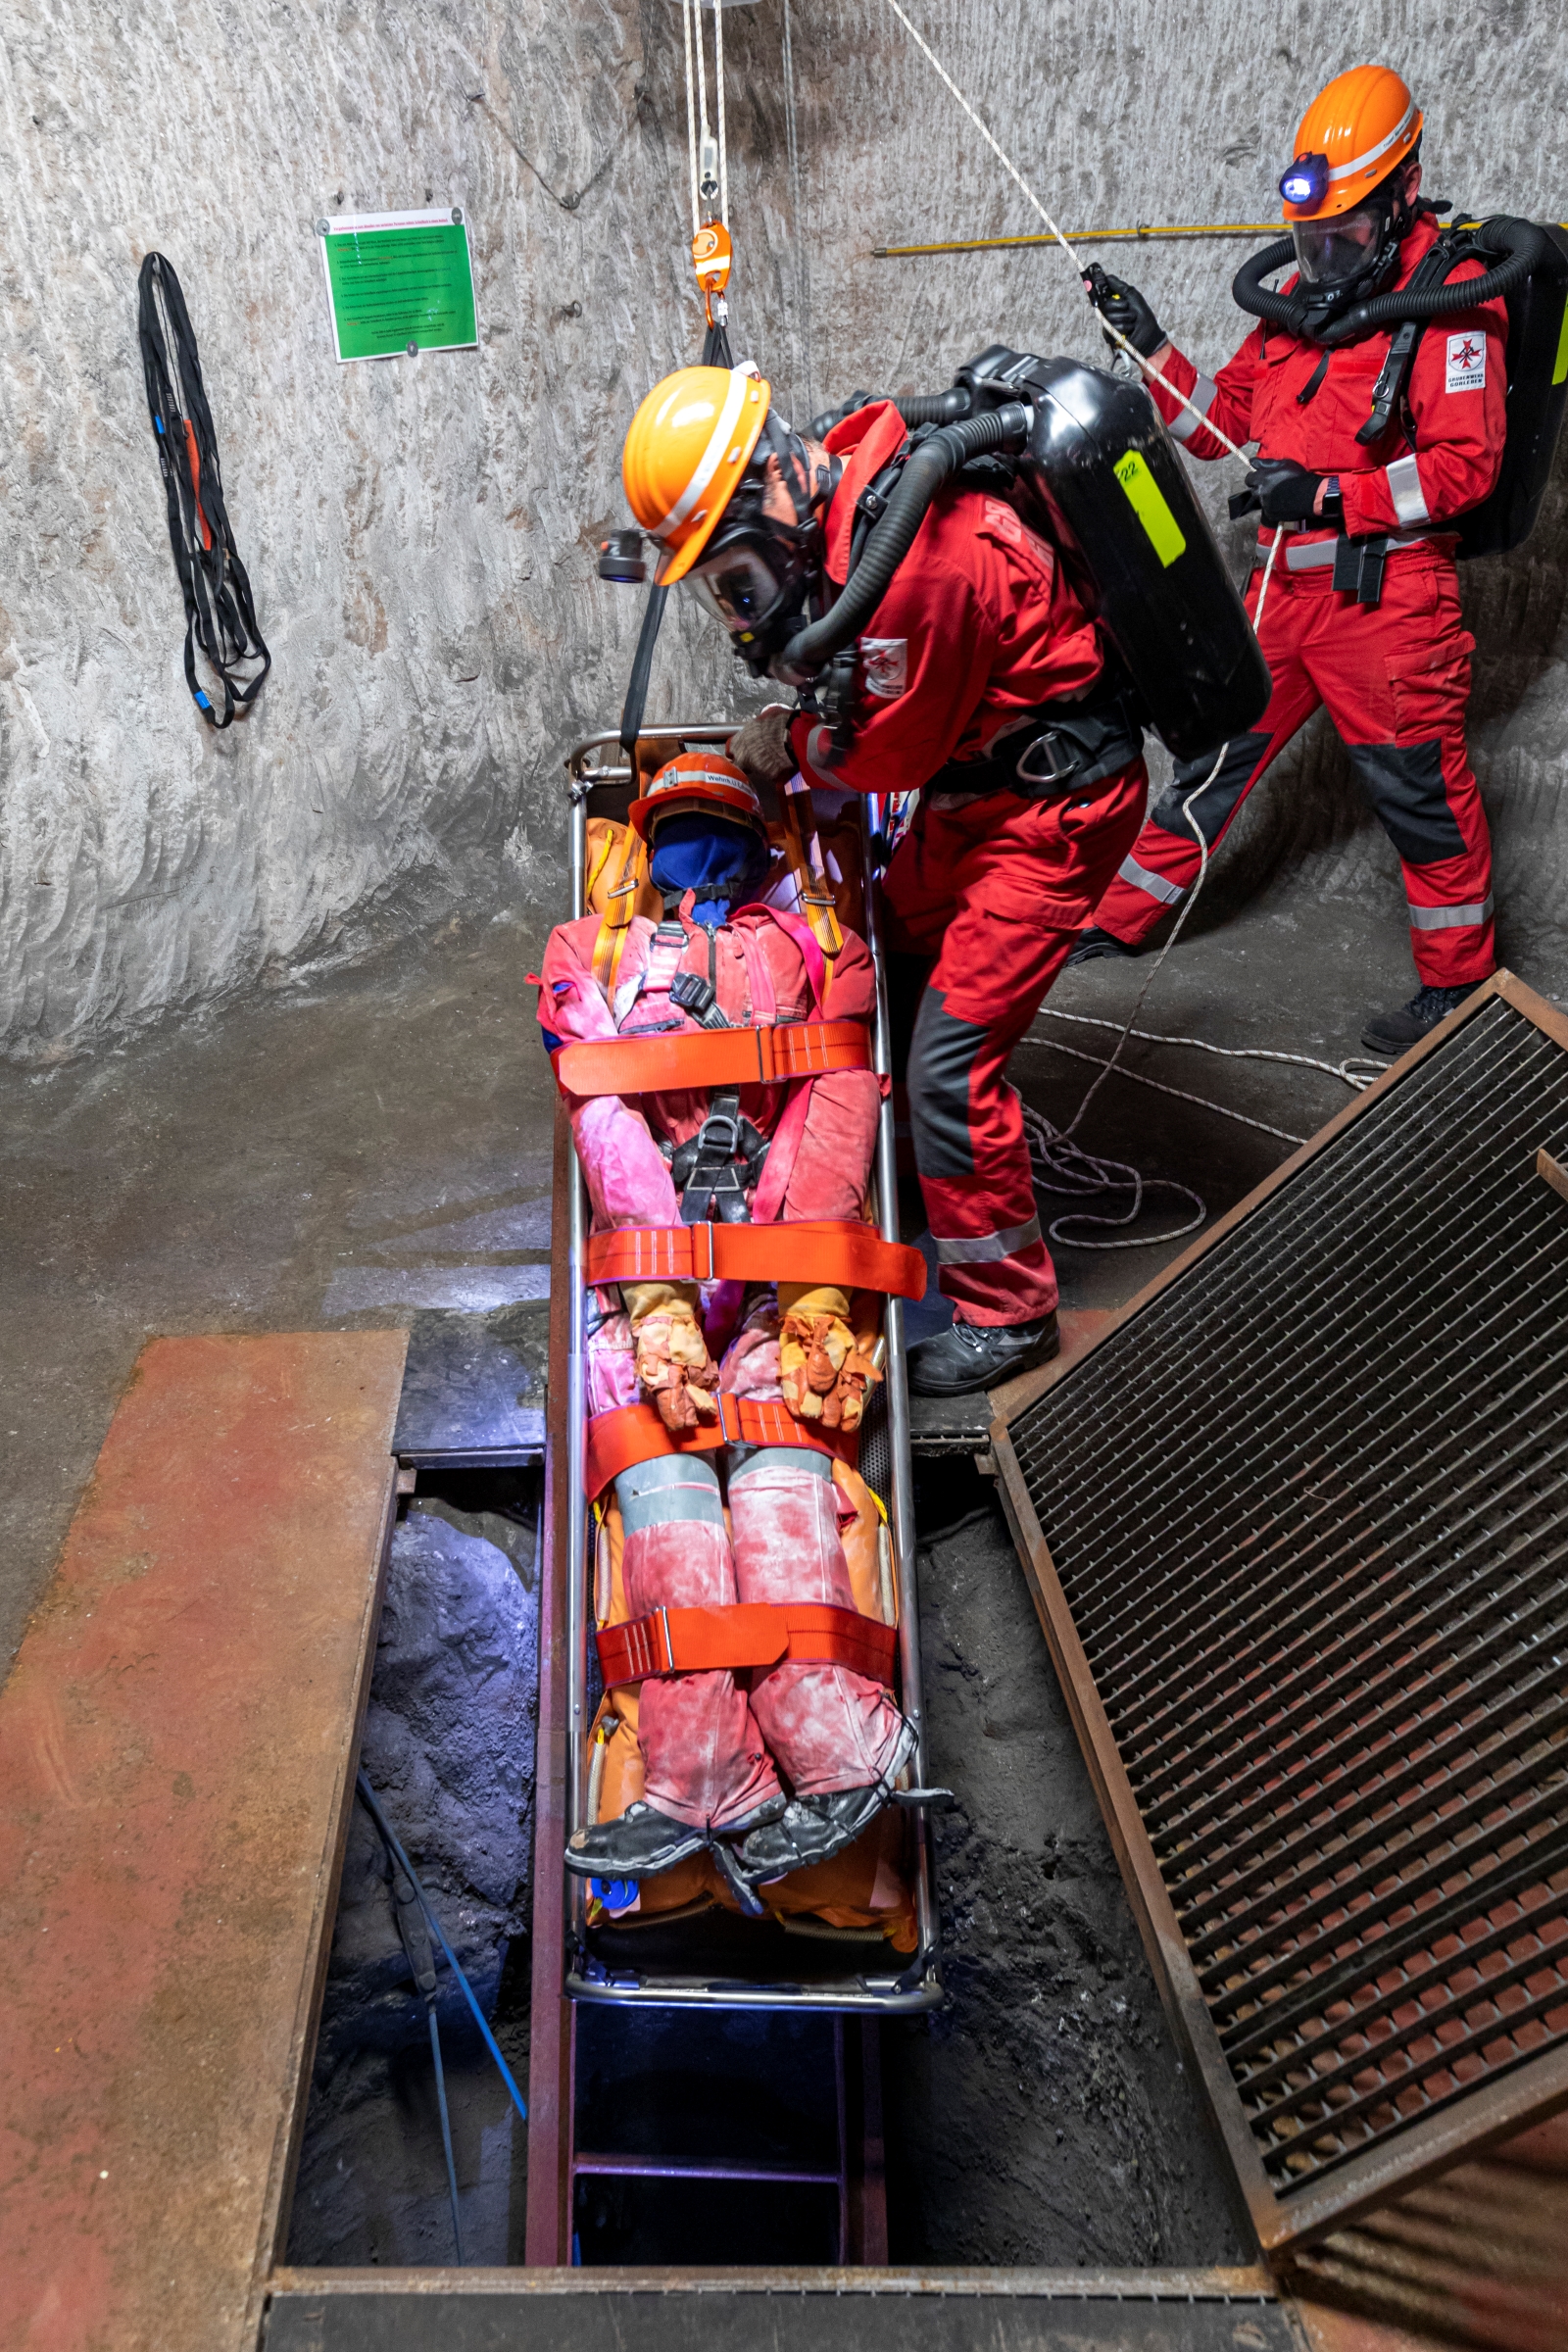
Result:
[[978, 657], [1392, 668]]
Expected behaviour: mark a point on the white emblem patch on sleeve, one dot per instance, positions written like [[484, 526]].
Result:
[[1467, 363], [886, 661]]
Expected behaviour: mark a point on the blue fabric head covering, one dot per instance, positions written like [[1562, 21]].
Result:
[[719, 858]]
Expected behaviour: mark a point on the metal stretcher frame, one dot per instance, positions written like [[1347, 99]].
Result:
[[914, 1983]]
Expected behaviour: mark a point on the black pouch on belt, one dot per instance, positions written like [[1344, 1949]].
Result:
[[1061, 750]]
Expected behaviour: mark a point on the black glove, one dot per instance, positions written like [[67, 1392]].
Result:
[[1122, 306], [1286, 492]]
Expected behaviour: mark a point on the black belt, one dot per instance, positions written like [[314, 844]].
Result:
[[1061, 747]]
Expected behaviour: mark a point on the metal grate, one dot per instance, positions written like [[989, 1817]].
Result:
[[1299, 1527]]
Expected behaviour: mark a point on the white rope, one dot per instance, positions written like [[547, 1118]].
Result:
[[702, 78], [687, 9], [1355, 1072], [803, 282], [1060, 1165], [718, 97], [1013, 174], [1063, 1136]]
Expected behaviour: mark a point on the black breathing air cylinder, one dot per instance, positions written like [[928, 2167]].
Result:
[[1113, 495], [1537, 390]]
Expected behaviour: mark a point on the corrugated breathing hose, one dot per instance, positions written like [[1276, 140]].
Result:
[[933, 464], [1520, 240]]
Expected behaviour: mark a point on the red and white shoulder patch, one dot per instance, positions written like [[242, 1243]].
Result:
[[1467, 362], [886, 663]]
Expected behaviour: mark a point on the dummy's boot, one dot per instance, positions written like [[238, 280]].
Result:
[[1094, 942], [968, 1356], [1395, 1032], [643, 1841], [814, 1828]]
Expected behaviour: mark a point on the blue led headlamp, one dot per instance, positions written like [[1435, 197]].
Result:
[[1306, 182]]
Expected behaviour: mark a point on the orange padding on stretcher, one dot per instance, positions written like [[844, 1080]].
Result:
[[618, 1440], [825, 1250], [749, 1633], [703, 1059]]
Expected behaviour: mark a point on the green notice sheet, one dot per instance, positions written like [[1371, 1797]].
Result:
[[399, 282]]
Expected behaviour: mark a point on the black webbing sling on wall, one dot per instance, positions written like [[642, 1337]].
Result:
[[220, 615]]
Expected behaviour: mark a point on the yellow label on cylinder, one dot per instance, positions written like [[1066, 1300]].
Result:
[[1148, 502], [1560, 367]]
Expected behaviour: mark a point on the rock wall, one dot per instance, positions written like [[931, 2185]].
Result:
[[421, 533]]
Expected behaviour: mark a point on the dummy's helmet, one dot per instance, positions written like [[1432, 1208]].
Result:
[[698, 783], [695, 469], [1343, 197], [689, 446]]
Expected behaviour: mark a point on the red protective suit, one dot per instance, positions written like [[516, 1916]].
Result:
[[1396, 676], [978, 631], [710, 1747]]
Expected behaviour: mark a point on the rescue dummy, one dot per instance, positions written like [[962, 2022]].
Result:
[[977, 654], [694, 1154], [1362, 611]]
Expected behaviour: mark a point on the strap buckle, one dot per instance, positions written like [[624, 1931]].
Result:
[[1058, 771]]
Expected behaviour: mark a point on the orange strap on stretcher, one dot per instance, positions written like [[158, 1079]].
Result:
[[634, 1433], [703, 1059], [747, 1634], [853, 1256]]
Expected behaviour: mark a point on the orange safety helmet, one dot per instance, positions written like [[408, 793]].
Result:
[[700, 779], [689, 446], [1352, 136]]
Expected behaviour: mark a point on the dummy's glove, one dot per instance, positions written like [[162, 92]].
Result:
[[1285, 492], [1122, 306], [823, 1375], [675, 1371], [763, 746]]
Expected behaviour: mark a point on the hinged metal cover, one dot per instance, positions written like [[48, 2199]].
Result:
[[1298, 1531]]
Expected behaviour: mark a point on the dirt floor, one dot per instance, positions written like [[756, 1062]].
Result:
[[372, 1144]]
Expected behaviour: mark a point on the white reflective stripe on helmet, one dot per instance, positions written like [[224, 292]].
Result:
[[1203, 396], [987, 1248], [1449, 918], [1168, 893], [1405, 488], [718, 440], [1359, 163]]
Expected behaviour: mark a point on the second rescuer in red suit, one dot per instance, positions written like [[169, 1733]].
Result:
[[978, 631], [1395, 675]]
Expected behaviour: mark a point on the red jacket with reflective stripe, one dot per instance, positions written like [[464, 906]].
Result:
[[978, 627], [1457, 394]]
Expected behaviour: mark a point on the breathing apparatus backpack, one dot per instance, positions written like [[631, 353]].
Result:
[[1095, 470], [1529, 272]]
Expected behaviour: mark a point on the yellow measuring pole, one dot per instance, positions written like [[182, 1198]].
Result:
[[1107, 236], [1084, 236]]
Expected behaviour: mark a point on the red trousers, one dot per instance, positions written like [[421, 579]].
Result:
[[1396, 678], [709, 1745], [995, 890]]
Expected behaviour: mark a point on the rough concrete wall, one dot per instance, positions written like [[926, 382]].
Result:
[[421, 533]]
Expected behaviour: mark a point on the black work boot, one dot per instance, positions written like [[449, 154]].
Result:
[[642, 1842], [1395, 1032], [1094, 942], [814, 1828], [967, 1357]]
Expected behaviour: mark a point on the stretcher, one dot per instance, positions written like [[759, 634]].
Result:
[[860, 1932]]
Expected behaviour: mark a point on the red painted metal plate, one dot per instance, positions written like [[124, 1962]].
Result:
[[177, 1742]]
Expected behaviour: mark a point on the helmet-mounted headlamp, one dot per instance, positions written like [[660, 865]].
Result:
[[1307, 182]]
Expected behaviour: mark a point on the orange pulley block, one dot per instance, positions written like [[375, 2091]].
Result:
[[711, 255]]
